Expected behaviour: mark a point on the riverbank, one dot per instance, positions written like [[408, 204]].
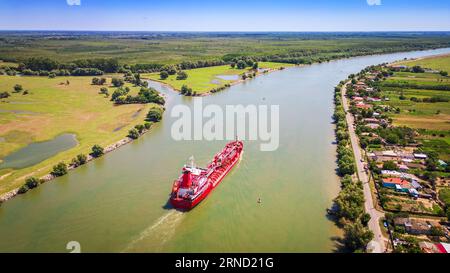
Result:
[[209, 80], [48, 177]]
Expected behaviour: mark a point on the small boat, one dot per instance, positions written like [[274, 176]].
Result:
[[196, 183]]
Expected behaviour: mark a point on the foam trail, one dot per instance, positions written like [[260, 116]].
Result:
[[163, 229]]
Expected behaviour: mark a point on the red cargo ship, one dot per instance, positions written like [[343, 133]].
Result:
[[196, 183]]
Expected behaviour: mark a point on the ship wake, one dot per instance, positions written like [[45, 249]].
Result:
[[156, 235]]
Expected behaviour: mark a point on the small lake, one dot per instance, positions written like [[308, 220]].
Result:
[[39, 151]]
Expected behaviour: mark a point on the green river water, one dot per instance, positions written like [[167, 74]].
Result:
[[118, 203]]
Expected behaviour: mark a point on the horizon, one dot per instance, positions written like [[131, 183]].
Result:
[[233, 16]]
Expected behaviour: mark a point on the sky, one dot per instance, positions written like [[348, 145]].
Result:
[[226, 15]]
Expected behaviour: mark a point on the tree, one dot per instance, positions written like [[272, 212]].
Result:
[[154, 115], [417, 69], [97, 150], [18, 88], [140, 128], [32, 182], [356, 236], [185, 90], [116, 82], [443, 73], [163, 75], [147, 125], [104, 91], [390, 165], [133, 133], [59, 169], [233, 65], [4, 95], [255, 66], [95, 81], [181, 75], [79, 160], [241, 64]]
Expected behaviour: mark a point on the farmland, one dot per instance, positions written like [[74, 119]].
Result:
[[441, 63], [415, 112], [51, 107]]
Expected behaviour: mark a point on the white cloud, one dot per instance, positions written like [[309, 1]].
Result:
[[78, 2], [373, 2]]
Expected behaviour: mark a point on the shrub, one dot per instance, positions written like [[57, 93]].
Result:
[[181, 75], [32, 182], [116, 82], [59, 169], [133, 133], [154, 114], [97, 150]]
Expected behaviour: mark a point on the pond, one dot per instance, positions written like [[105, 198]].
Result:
[[38, 151]]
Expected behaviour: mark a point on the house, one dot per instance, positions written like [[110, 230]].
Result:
[[416, 226], [396, 183], [376, 114], [420, 156], [356, 98], [371, 120], [363, 106], [372, 125], [373, 99], [413, 165], [429, 247]]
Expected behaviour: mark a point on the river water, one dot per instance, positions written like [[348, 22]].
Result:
[[118, 203]]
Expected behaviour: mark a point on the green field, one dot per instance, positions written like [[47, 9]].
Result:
[[441, 63], [426, 115], [202, 80], [51, 108], [172, 48]]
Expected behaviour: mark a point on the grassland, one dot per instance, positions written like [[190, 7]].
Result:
[[171, 48], [51, 108], [202, 80], [441, 63], [426, 115]]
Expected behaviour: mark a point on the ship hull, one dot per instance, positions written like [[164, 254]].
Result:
[[184, 204]]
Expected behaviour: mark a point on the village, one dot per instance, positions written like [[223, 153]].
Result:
[[410, 181]]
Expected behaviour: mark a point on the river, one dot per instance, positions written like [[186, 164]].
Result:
[[118, 203]]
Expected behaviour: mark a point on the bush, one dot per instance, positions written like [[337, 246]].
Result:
[[154, 114], [147, 125], [97, 150], [32, 182], [79, 160], [18, 88], [140, 128], [181, 75], [185, 90], [116, 82], [133, 133], [163, 75], [59, 169], [22, 189]]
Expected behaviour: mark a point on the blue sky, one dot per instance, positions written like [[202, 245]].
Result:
[[225, 15]]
